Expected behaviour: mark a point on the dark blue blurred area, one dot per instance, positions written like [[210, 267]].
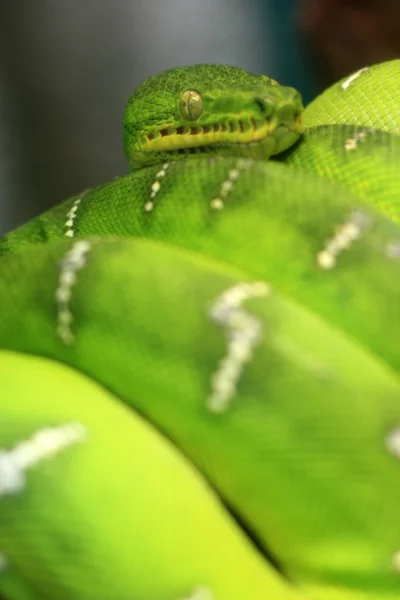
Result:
[[67, 69], [293, 62]]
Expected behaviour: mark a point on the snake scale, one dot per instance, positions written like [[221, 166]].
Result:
[[199, 360]]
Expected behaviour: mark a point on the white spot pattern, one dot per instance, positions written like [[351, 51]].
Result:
[[351, 143], [345, 236], [155, 187], [200, 593], [217, 203], [393, 442], [44, 444], [352, 78], [72, 262], [71, 216], [392, 250], [243, 332], [396, 561]]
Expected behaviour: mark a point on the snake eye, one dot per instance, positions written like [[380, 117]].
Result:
[[191, 105]]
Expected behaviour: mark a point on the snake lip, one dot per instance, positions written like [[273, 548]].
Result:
[[239, 132]]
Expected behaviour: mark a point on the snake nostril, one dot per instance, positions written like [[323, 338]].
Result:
[[265, 105], [260, 104]]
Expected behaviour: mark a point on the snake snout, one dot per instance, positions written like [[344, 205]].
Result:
[[289, 111], [284, 105], [286, 113]]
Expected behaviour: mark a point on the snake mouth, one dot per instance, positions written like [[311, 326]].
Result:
[[200, 138]]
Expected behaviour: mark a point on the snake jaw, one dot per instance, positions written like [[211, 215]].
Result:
[[240, 132]]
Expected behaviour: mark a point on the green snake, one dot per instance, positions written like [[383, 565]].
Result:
[[199, 360]]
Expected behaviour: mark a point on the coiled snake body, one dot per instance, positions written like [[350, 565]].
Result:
[[200, 397]]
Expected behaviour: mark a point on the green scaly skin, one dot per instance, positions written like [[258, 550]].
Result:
[[210, 109], [363, 160], [368, 98], [182, 453]]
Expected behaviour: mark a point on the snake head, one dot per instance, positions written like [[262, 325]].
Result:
[[208, 109]]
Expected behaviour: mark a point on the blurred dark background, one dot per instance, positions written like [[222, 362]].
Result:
[[68, 67]]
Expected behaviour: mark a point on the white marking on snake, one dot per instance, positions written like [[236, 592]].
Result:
[[392, 250], [243, 331], [71, 263], [155, 187], [352, 78], [345, 236], [199, 593], [43, 445], [392, 442], [396, 561], [71, 216], [351, 143], [218, 202]]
